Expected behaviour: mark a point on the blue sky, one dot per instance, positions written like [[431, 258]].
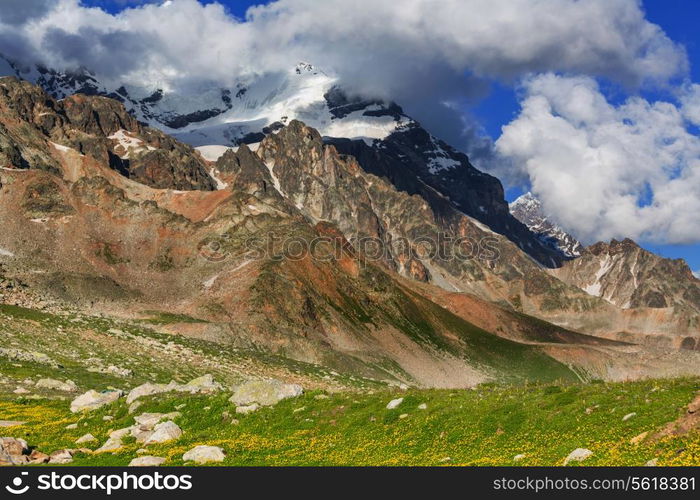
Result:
[[501, 105]]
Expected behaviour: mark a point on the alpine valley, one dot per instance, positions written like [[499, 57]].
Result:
[[285, 229]]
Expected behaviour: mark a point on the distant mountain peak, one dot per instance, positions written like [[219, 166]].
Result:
[[528, 210]]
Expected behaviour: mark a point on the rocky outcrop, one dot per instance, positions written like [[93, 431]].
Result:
[[33, 126], [628, 276]]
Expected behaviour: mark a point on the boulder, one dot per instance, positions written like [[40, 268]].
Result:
[[57, 385], [578, 455], [203, 384], [628, 416], [13, 451], [202, 454], [92, 400], [264, 392], [394, 403], [149, 389], [87, 438], [244, 410], [61, 457], [147, 461], [163, 432]]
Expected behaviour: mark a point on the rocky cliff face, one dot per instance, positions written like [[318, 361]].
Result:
[[32, 124], [628, 276], [528, 210]]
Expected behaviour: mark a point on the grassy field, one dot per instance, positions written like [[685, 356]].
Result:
[[488, 425]]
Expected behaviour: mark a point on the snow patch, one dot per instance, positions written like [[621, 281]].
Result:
[[129, 143], [219, 183], [605, 265], [212, 152]]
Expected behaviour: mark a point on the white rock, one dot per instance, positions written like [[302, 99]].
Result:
[[578, 455], [394, 403], [111, 444], [163, 432], [244, 410], [61, 457], [85, 439], [628, 416], [147, 461], [202, 454], [422, 406], [57, 385], [72, 426], [21, 390], [92, 400], [519, 457], [652, 463], [264, 392], [149, 389]]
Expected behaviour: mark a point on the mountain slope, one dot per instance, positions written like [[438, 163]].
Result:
[[223, 263]]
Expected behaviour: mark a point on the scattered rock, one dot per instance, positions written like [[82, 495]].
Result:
[[639, 438], [34, 357], [321, 396], [297, 410], [149, 389], [13, 451], [163, 432], [394, 403], [264, 392], [71, 426], [141, 451], [61, 457], [87, 438], [108, 418], [519, 457], [578, 455], [147, 461], [628, 416], [202, 454], [204, 384], [21, 390], [684, 424], [403, 415], [149, 420], [92, 400], [11, 423], [422, 406], [57, 385], [652, 463], [244, 410], [111, 444], [37, 457], [591, 409]]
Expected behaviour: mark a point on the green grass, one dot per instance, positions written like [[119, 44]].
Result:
[[485, 426]]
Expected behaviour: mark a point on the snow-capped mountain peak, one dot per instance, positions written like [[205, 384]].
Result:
[[528, 210]]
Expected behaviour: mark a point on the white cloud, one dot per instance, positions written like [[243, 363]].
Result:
[[604, 170], [377, 45], [690, 100]]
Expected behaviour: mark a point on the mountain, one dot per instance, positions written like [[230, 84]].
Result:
[[528, 210], [384, 140], [630, 277], [82, 234]]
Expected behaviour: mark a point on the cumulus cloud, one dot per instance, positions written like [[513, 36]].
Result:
[[605, 170], [377, 46]]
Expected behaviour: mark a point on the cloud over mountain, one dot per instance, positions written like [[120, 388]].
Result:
[[607, 170], [636, 161]]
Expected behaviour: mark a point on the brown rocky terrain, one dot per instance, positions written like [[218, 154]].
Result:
[[147, 232]]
